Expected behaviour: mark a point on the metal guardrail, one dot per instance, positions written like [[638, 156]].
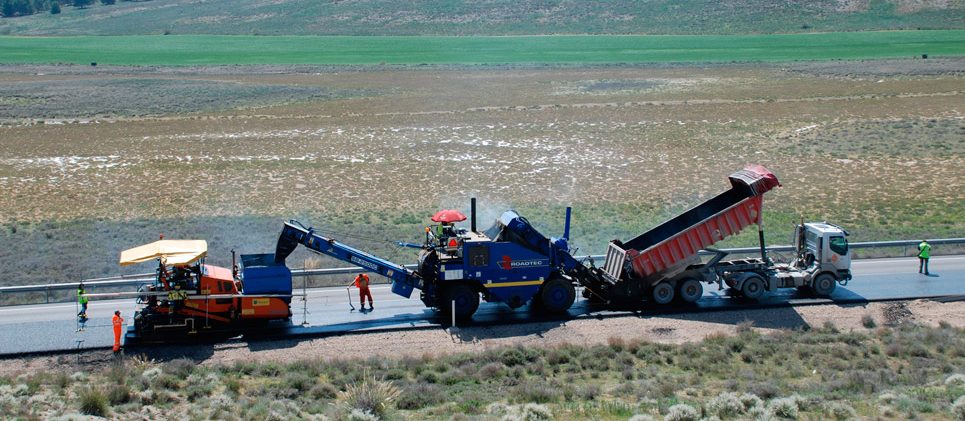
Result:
[[146, 278]]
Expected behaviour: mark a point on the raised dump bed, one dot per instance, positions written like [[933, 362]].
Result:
[[671, 246]]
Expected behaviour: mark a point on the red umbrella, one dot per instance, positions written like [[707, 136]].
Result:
[[448, 216]]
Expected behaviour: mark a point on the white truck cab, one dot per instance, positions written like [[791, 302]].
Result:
[[828, 244]]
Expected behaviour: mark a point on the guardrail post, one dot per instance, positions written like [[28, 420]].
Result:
[[47, 295]]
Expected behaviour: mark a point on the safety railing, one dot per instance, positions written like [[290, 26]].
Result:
[[147, 278]]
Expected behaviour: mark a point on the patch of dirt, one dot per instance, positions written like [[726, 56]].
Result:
[[883, 68], [673, 329], [897, 313]]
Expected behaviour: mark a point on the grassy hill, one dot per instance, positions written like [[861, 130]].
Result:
[[495, 17]]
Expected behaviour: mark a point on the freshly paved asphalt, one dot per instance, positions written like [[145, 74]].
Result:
[[53, 327]]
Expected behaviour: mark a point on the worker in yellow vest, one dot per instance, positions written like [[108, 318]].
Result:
[[362, 283], [924, 252], [82, 300]]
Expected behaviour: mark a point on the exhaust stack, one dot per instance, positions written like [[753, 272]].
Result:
[[472, 214]]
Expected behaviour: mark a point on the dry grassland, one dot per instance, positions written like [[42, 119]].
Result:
[[873, 148]]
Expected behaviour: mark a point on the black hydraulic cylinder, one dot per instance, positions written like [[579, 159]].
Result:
[[472, 214], [760, 236]]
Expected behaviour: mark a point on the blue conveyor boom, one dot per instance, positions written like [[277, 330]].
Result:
[[404, 280]]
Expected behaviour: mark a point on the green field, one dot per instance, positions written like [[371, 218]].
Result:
[[337, 50]]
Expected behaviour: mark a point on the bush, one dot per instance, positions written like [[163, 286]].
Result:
[[181, 367], [93, 402], [359, 415], [682, 412], [535, 412], [298, 381], [726, 404], [536, 392], [527, 412], [955, 380], [840, 410], [200, 385], [958, 408], [323, 390], [371, 395], [420, 396], [491, 371], [119, 394], [152, 373], [783, 408], [868, 321], [54, 10], [588, 392]]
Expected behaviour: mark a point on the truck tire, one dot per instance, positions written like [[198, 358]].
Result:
[[466, 299], [753, 287], [662, 293], [824, 285], [556, 295], [690, 290]]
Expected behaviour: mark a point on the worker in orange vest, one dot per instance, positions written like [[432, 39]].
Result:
[[362, 283], [117, 321]]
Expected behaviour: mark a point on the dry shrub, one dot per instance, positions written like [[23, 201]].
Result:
[[682, 412], [725, 404], [93, 402], [840, 410], [783, 408], [371, 395], [419, 396], [958, 408]]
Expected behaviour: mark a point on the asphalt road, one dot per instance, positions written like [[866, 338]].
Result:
[[53, 327]]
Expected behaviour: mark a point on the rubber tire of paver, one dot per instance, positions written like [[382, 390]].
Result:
[[689, 290], [662, 293], [557, 295], [752, 287], [466, 298], [824, 285]]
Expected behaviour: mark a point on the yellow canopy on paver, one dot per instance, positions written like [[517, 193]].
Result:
[[171, 252]]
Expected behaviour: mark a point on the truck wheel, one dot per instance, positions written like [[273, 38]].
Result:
[[466, 299], [690, 290], [662, 293], [824, 285], [557, 295], [753, 287]]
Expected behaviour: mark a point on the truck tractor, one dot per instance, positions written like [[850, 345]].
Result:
[[663, 264]]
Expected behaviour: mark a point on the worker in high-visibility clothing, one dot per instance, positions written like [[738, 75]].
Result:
[[924, 252], [362, 283], [117, 321], [82, 300]]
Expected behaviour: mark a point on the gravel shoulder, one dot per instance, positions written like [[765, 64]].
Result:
[[672, 329]]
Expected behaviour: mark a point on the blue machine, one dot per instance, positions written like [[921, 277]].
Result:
[[262, 275], [511, 262]]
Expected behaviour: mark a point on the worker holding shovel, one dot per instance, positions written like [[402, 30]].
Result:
[[362, 283]]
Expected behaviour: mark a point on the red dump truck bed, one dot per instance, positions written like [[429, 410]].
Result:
[[674, 243]]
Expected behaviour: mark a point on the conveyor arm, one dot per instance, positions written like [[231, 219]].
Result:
[[294, 233]]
